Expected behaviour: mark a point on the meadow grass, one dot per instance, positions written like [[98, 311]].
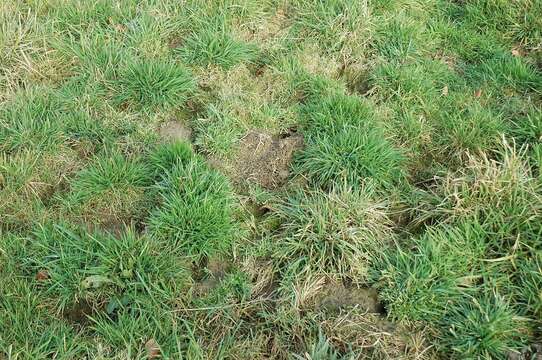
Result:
[[409, 227]]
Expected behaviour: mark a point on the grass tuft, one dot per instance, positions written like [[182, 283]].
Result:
[[345, 145], [211, 47], [109, 191], [155, 83], [195, 216], [103, 271], [339, 233], [484, 328]]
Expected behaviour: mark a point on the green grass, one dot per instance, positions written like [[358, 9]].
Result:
[[336, 233], [346, 145], [195, 212], [154, 83], [102, 269], [216, 48], [110, 191], [419, 178]]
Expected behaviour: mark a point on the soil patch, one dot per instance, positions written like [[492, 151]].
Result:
[[265, 159], [335, 297], [79, 312], [216, 270], [173, 131]]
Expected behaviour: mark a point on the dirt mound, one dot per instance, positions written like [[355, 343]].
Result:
[[173, 131], [265, 159]]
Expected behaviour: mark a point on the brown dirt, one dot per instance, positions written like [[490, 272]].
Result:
[[216, 270], [532, 351], [335, 296], [173, 131], [265, 159], [79, 312]]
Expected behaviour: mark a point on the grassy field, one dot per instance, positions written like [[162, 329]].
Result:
[[270, 179]]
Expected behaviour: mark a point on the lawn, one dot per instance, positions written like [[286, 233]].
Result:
[[270, 179]]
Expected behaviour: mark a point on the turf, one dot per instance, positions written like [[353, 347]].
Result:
[[410, 224]]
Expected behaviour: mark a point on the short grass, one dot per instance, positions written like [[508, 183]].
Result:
[[419, 179]]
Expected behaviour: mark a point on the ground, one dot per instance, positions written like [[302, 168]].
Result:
[[247, 179]]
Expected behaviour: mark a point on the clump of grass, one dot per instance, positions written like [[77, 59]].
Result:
[[514, 21], [149, 34], [530, 281], [98, 267], [195, 215], [30, 121], [110, 190], [484, 327], [22, 311], [218, 132], [141, 329], [504, 71], [306, 86], [164, 158], [79, 15], [399, 39], [456, 270], [217, 47], [122, 287], [320, 349], [501, 192], [472, 128], [351, 158], [346, 145], [528, 129], [155, 83], [419, 282], [88, 133], [441, 281], [340, 233], [338, 25]]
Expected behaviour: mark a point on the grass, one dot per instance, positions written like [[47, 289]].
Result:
[[216, 48], [336, 233], [154, 83], [419, 179], [196, 206], [345, 145]]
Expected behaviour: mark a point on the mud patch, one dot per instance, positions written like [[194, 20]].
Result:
[[334, 297], [174, 131], [79, 312], [215, 271], [265, 159]]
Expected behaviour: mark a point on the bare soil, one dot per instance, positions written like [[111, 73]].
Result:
[[216, 271], [265, 159], [336, 296], [174, 130]]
